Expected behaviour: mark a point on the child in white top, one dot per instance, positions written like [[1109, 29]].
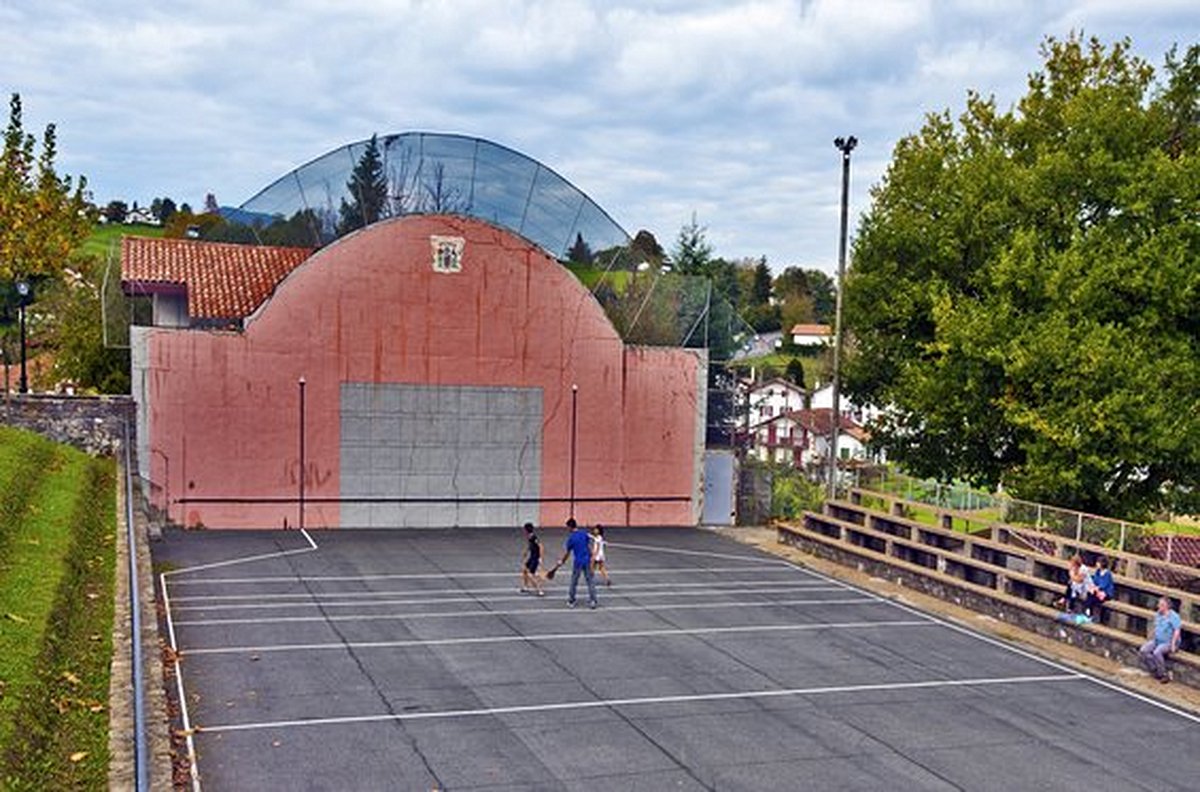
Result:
[[599, 564]]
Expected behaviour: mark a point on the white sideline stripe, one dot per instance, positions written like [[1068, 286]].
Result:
[[303, 595], [509, 598], [193, 758], [555, 637], [633, 702], [246, 559], [959, 628], [452, 575], [193, 771], [760, 560], [521, 612]]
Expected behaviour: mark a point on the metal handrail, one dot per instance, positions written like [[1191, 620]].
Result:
[[140, 759]]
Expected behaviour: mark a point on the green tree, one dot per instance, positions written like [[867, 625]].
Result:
[[807, 296], [754, 289], [77, 334], [580, 252], [1025, 294], [115, 211], [795, 372], [42, 216], [645, 247], [693, 254], [368, 191], [760, 290]]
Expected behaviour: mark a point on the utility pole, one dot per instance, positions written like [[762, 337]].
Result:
[[844, 145]]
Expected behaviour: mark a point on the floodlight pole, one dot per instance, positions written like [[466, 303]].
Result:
[[302, 460], [574, 414], [844, 145]]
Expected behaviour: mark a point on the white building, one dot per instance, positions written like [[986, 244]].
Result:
[[773, 398], [812, 334], [863, 415], [800, 438]]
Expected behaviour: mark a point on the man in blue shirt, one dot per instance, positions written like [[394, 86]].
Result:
[[1167, 633], [579, 545]]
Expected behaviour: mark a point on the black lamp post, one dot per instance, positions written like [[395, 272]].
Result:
[[844, 145], [574, 413], [23, 292], [303, 461]]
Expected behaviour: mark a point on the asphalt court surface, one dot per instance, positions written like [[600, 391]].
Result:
[[409, 660]]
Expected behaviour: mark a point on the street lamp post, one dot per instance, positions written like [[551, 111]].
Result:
[[574, 414], [303, 461], [23, 295], [844, 145]]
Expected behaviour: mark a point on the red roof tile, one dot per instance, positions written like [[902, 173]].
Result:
[[812, 329], [820, 421], [223, 281]]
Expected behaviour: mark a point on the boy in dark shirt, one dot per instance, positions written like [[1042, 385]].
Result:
[[530, 582]]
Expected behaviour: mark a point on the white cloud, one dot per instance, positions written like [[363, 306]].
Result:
[[655, 109]]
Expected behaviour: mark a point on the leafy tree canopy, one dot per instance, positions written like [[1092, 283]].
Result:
[[1025, 292], [42, 216], [807, 296]]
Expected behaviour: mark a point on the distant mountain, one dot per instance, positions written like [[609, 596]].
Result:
[[232, 214]]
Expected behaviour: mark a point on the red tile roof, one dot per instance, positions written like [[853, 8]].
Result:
[[820, 421], [812, 329], [223, 281]]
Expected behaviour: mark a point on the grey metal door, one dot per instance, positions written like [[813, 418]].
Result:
[[720, 474]]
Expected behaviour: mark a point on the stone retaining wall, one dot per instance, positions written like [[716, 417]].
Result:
[[94, 424]]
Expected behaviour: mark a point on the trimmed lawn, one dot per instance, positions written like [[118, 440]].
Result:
[[107, 236], [779, 360], [57, 564], [589, 276], [1182, 528]]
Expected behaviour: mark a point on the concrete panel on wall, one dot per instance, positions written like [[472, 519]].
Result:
[[439, 455]]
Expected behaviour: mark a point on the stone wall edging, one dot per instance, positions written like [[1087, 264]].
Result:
[[93, 424]]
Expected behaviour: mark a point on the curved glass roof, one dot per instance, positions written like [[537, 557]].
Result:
[[430, 173]]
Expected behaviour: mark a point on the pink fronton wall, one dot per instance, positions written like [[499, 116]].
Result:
[[222, 408]]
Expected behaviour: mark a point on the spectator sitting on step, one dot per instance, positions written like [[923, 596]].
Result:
[[1103, 588], [1079, 582], [1164, 639]]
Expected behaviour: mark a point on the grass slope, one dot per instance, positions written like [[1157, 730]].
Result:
[[107, 236], [57, 563]]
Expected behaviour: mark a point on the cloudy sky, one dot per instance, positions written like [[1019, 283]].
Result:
[[657, 109]]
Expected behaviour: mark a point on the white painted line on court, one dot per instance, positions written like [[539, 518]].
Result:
[[767, 561], [368, 603], [557, 610], [246, 559], [624, 571], [183, 709], [544, 637], [728, 585], [634, 702], [959, 628], [193, 758]]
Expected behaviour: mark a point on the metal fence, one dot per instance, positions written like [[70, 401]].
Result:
[[1066, 523]]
